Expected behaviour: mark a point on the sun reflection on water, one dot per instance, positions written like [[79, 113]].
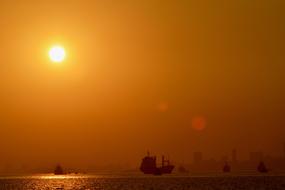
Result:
[[56, 177], [67, 176]]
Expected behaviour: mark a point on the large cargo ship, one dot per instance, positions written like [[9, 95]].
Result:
[[148, 166]]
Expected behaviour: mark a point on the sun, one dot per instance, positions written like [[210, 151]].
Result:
[[57, 54]]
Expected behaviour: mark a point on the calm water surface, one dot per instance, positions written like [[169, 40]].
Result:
[[87, 182]]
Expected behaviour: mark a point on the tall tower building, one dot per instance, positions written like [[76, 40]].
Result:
[[284, 149], [256, 157]]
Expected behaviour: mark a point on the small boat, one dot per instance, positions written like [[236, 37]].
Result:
[[58, 170], [226, 168], [261, 168]]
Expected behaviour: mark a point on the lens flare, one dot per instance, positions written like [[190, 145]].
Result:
[[199, 123]]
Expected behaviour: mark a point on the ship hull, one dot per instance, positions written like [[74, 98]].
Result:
[[166, 169], [159, 171]]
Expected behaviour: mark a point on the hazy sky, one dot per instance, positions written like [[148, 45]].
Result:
[[136, 76]]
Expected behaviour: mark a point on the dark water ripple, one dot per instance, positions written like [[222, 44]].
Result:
[[145, 183]]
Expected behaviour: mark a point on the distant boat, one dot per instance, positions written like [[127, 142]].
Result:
[[226, 168], [58, 170], [262, 168], [148, 166]]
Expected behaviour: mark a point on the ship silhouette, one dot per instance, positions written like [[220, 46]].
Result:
[[226, 168], [262, 168], [58, 170], [148, 166]]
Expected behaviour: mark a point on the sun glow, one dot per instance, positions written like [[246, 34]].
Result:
[[57, 54]]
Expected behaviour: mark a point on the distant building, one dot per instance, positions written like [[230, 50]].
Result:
[[234, 156], [256, 157], [273, 164], [224, 158], [284, 150]]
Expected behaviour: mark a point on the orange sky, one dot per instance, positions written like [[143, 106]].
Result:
[[138, 76]]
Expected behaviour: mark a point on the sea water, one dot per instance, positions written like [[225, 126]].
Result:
[[97, 182]]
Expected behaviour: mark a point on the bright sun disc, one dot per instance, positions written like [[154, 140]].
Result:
[[57, 54]]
